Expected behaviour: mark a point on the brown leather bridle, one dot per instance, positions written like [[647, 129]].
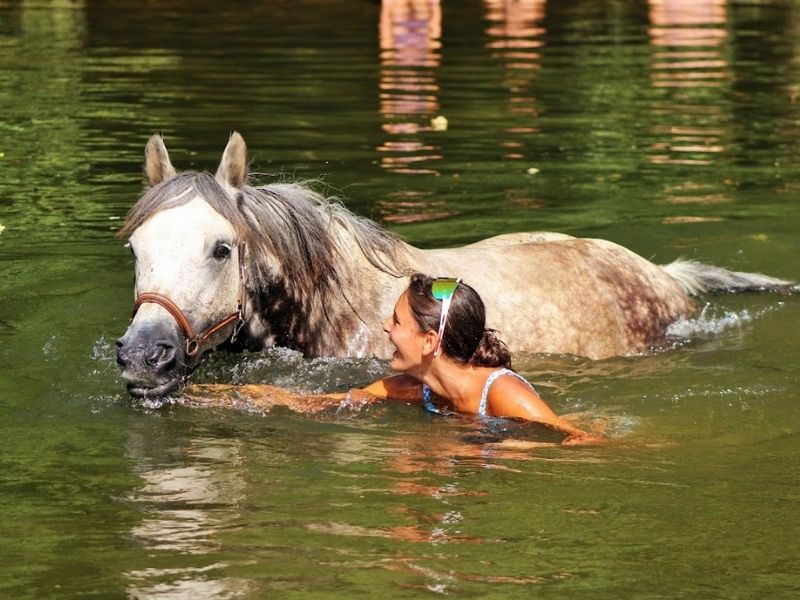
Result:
[[196, 341]]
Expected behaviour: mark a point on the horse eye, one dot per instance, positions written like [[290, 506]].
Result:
[[222, 252], [129, 246]]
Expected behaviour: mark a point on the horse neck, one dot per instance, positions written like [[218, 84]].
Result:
[[281, 318], [346, 322]]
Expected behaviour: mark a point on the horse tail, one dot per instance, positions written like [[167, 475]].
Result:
[[697, 278]]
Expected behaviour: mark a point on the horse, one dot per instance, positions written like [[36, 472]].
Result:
[[221, 263]]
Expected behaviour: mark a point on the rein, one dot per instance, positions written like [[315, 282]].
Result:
[[196, 341]]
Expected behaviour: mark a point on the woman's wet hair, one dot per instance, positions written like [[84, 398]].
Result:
[[466, 338]]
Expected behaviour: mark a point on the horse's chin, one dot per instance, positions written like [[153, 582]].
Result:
[[158, 391]]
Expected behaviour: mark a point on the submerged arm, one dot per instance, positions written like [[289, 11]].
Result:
[[509, 397], [263, 396]]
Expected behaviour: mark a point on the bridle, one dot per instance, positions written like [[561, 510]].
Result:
[[196, 341]]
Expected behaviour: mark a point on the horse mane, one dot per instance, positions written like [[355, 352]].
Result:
[[289, 229], [297, 226]]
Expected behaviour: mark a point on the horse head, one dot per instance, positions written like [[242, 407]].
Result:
[[189, 247]]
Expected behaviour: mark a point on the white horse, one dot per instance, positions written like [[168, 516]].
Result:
[[221, 262]]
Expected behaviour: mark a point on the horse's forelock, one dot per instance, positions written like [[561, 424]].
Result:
[[179, 190]]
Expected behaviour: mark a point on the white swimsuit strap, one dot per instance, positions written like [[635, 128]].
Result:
[[491, 379]]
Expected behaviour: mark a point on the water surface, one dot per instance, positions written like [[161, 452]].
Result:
[[668, 126]]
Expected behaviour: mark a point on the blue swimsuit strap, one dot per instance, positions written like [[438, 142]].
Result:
[[429, 406], [427, 403], [494, 376]]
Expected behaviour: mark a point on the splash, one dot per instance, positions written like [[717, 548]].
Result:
[[103, 351], [155, 404], [50, 348], [712, 321], [288, 369]]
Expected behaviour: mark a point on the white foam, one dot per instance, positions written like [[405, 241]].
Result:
[[290, 370], [713, 321]]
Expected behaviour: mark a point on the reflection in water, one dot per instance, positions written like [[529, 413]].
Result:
[[40, 92], [515, 35], [689, 38], [180, 503], [187, 582], [411, 206], [434, 488], [410, 34]]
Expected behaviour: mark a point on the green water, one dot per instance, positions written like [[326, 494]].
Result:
[[669, 127]]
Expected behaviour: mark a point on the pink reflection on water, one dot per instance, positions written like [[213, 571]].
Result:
[[516, 35], [689, 38], [689, 35], [410, 39], [515, 31], [408, 206]]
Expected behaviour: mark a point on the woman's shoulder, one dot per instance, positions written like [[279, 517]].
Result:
[[511, 395], [501, 382]]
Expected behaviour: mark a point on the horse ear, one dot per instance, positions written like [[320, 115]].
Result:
[[233, 167], [157, 166]]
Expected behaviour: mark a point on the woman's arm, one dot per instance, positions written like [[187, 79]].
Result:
[[396, 387], [260, 396], [510, 397]]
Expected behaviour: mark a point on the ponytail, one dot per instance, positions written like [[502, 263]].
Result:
[[491, 352]]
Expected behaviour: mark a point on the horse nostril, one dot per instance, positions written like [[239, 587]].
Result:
[[122, 361], [160, 354]]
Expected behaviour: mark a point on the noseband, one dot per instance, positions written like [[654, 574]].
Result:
[[196, 341]]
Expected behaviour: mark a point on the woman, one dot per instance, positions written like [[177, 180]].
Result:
[[446, 359]]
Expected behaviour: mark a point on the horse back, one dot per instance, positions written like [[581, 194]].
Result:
[[558, 294]]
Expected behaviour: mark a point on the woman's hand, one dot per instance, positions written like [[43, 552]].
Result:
[[584, 439]]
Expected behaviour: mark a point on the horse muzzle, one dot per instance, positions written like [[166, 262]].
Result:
[[153, 362]]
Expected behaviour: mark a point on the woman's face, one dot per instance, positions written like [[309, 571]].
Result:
[[404, 333]]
